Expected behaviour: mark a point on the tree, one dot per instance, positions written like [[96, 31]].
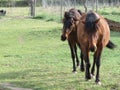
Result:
[[61, 7], [96, 5], [109, 1], [44, 3], [93, 3], [84, 3], [32, 4]]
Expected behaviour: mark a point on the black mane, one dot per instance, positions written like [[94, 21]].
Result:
[[67, 23], [68, 19], [90, 22]]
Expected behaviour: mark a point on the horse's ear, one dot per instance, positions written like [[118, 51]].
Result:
[[97, 20], [66, 14], [79, 12]]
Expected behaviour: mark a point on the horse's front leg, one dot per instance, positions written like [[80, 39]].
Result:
[[72, 56], [77, 60], [82, 62], [87, 61], [93, 67], [97, 61]]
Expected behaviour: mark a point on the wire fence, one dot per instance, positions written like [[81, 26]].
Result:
[[53, 6]]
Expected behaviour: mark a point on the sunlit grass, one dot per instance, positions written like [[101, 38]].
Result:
[[33, 56]]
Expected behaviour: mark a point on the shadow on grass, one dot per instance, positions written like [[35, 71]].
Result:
[[2, 88], [44, 18], [52, 81], [48, 18], [46, 80], [54, 33]]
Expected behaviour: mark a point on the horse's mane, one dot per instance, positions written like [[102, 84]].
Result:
[[68, 15], [67, 19], [72, 14], [90, 22]]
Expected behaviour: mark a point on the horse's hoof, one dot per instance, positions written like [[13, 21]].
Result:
[[86, 79], [92, 76], [74, 72], [99, 83], [78, 66], [82, 69]]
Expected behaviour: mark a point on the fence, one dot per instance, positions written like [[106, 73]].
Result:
[[54, 5]]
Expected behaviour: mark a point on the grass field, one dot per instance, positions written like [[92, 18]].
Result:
[[33, 56]]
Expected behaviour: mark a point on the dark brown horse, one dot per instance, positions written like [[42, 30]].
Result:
[[93, 35], [69, 32]]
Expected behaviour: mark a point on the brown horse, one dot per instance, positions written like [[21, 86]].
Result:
[[69, 32], [93, 35]]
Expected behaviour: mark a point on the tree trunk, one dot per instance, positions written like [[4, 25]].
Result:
[[32, 6], [61, 8], [44, 3], [96, 5], [74, 3], [84, 3], [93, 2], [109, 2]]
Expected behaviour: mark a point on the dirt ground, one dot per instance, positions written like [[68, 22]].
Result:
[[12, 87]]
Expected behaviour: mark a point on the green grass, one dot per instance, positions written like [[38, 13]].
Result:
[[47, 16], [33, 56], [111, 13]]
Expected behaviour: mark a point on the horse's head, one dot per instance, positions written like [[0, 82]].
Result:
[[70, 21], [68, 25]]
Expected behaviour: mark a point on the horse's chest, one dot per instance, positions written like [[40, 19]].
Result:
[[84, 38]]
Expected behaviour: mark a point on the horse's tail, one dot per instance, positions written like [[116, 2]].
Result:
[[110, 45]]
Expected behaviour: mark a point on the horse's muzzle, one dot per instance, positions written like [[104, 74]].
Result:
[[63, 38]]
